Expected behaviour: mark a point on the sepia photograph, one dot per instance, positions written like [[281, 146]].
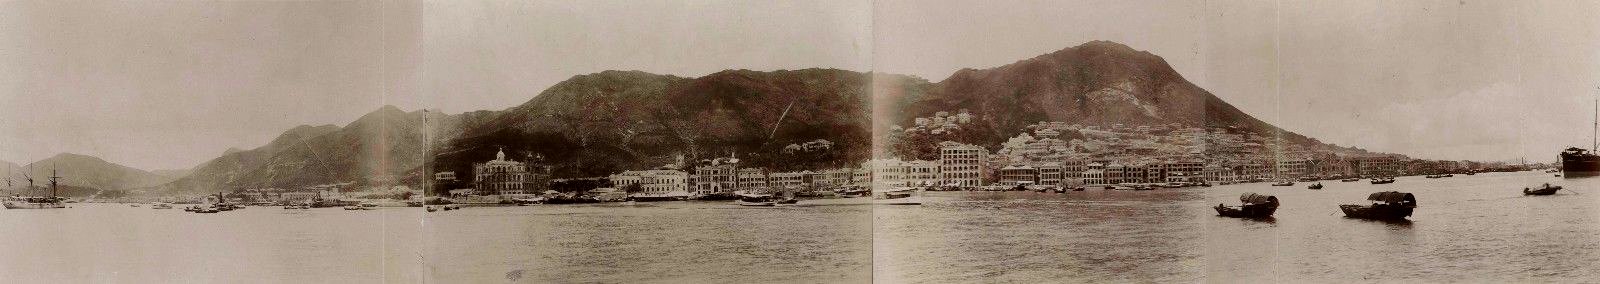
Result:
[[832, 141]]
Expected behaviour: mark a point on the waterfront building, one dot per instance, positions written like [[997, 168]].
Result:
[[1290, 168], [1216, 173], [921, 173], [962, 164], [1072, 172], [1014, 175], [861, 176], [717, 175], [1379, 165], [888, 171], [789, 179], [500, 176], [538, 174], [836, 177], [752, 178], [663, 183], [1050, 174], [626, 178], [1113, 173], [815, 180]]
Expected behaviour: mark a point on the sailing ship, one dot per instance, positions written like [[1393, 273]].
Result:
[[37, 202], [1387, 205], [1253, 206]]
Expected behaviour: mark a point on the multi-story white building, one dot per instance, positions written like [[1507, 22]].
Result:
[[717, 175], [789, 179], [752, 178], [501, 176], [888, 171], [921, 173], [653, 183], [1014, 175], [962, 164], [1094, 173]]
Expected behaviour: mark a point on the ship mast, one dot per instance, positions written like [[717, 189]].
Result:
[[53, 178]]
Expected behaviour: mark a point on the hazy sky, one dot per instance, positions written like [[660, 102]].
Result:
[[1432, 79], [171, 84]]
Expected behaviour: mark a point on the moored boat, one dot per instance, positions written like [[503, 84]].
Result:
[[1382, 180], [528, 201], [162, 205], [898, 196], [1546, 189], [1252, 206], [1386, 205], [1350, 180], [207, 208], [1283, 183], [756, 200]]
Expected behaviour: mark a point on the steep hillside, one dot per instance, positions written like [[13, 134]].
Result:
[[1097, 83], [600, 123], [380, 147]]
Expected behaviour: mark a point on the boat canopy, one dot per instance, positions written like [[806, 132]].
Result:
[[1253, 198], [1394, 197]]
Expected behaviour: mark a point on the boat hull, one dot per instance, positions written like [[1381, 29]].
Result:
[[1580, 165], [34, 205], [1247, 211], [754, 204], [899, 201], [1541, 191], [1376, 212]]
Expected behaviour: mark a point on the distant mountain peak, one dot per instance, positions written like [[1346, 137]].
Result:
[[1094, 83]]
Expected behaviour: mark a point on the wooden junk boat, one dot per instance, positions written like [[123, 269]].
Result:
[[1547, 189], [1387, 205], [1254, 206]]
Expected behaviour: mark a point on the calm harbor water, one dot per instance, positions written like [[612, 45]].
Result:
[[825, 241], [115, 243], [1467, 228]]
